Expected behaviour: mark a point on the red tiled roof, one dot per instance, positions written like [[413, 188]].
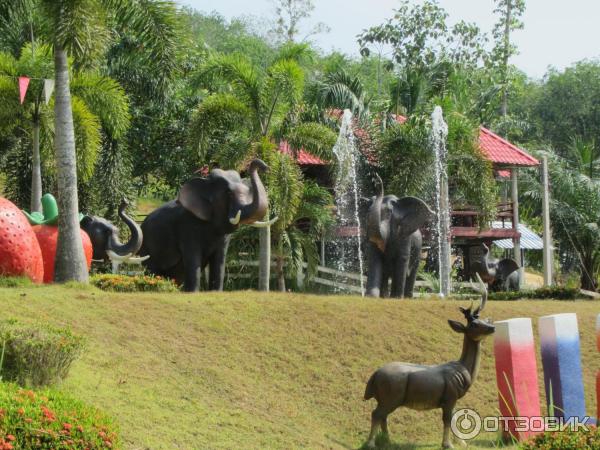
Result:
[[500, 151], [497, 149], [303, 157]]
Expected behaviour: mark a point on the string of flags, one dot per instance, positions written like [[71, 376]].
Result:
[[24, 85]]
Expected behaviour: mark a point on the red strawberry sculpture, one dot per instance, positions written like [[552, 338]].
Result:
[[20, 253], [46, 232], [47, 236]]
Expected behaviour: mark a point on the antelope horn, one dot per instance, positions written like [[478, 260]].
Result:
[[484, 294]]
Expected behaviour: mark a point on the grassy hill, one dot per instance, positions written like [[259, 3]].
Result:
[[254, 371]]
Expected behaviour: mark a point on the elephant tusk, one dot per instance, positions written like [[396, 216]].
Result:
[[138, 259], [114, 257], [265, 224], [129, 258], [236, 219]]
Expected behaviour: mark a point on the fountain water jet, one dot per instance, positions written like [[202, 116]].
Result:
[[438, 138], [347, 195]]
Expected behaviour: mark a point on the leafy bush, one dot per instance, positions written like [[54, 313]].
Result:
[[565, 440], [554, 292], [37, 355], [138, 283], [50, 420], [15, 282]]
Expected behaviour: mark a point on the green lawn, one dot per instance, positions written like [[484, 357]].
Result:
[[247, 370]]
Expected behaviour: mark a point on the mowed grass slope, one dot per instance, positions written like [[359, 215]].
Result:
[[247, 370]]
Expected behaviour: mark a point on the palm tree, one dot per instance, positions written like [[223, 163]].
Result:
[[83, 30], [250, 110], [99, 106], [340, 90], [574, 212], [584, 156]]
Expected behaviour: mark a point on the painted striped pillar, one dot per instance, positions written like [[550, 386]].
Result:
[[516, 372], [561, 358], [598, 374]]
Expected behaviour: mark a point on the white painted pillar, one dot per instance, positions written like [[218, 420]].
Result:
[[515, 208], [547, 256]]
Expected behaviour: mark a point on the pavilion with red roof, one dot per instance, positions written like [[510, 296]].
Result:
[[466, 231]]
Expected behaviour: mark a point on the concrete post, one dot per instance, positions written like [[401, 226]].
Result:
[[515, 208], [547, 256]]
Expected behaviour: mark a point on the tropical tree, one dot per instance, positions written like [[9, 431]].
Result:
[[574, 213], [253, 108], [404, 150], [339, 90], [100, 107], [424, 51], [584, 157], [509, 12], [83, 30]]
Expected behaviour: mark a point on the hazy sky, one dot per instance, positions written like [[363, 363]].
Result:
[[557, 32]]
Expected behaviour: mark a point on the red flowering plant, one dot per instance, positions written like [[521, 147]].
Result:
[[50, 420]]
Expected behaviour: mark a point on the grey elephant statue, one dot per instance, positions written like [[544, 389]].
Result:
[[105, 236], [186, 235], [500, 275], [395, 242], [423, 387]]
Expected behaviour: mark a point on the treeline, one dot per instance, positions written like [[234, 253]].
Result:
[[232, 89]]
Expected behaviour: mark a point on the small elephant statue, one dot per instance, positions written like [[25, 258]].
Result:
[[186, 235], [105, 236], [500, 275], [395, 242]]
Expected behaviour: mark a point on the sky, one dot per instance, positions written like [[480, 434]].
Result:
[[557, 32]]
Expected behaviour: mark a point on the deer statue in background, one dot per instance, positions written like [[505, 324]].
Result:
[[423, 387]]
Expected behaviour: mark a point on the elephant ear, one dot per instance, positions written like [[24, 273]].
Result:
[[194, 196], [411, 213], [505, 268]]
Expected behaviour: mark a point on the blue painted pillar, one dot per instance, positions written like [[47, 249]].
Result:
[[561, 359]]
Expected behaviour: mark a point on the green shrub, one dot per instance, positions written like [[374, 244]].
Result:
[[554, 292], [138, 283], [565, 440], [50, 420], [15, 282], [37, 355]]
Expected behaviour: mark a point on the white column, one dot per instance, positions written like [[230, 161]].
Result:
[[547, 256], [515, 208]]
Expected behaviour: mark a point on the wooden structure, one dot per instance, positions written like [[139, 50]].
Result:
[[467, 230]]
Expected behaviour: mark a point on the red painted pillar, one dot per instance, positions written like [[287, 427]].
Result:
[[516, 373]]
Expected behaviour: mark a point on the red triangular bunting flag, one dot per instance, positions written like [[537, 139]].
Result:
[[23, 85]]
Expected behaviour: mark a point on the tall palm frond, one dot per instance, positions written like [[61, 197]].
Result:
[[87, 138], [313, 137], [219, 120], [106, 99], [339, 90], [584, 156]]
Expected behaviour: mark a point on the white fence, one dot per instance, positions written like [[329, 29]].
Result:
[[341, 281]]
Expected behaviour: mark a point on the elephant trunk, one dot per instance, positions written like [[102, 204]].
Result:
[[132, 246], [377, 233], [258, 208]]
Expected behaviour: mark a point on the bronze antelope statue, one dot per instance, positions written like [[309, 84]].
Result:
[[429, 387]]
